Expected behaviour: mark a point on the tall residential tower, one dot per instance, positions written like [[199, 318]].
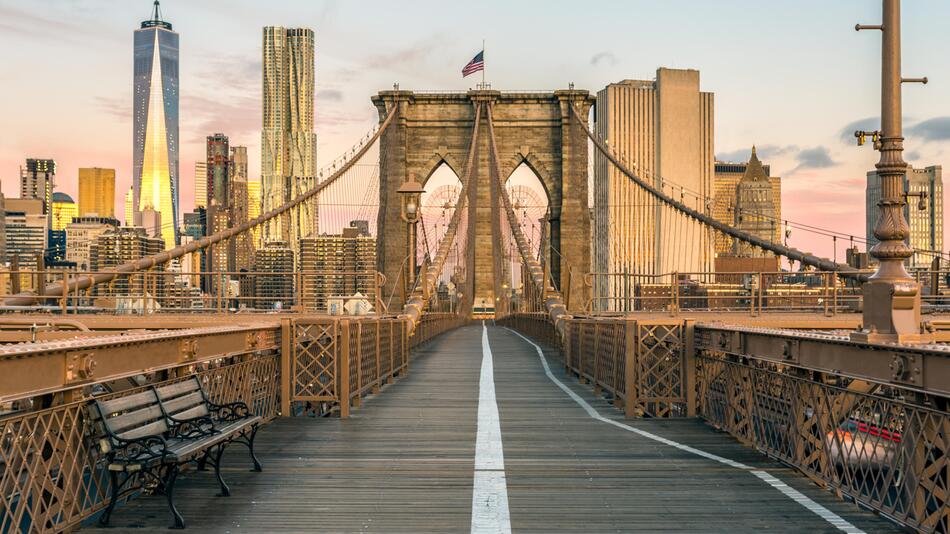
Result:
[[288, 143], [37, 181], [155, 116]]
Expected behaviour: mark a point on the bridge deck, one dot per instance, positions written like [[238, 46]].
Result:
[[404, 462]]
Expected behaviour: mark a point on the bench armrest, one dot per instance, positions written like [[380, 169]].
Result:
[[194, 428], [231, 411], [138, 450]]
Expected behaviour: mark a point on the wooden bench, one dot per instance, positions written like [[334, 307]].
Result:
[[150, 435]]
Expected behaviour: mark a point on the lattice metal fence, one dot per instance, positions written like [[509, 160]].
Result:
[[52, 475], [887, 450], [332, 362], [612, 352]]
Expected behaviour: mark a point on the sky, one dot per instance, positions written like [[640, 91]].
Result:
[[793, 78]]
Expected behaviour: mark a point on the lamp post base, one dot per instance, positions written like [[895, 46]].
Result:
[[891, 311]]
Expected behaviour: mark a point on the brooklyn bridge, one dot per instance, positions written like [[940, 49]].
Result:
[[436, 398]]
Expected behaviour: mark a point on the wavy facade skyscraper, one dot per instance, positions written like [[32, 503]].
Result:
[[155, 116], [288, 143]]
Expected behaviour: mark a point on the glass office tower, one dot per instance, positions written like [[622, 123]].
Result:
[[155, 116]]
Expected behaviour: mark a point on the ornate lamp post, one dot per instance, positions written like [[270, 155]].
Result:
[[411, 192], [891, 296]]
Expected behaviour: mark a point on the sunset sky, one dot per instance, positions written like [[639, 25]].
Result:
[[793, 78]]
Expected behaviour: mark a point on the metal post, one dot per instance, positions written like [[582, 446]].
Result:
[[689, 364], [411, 262], [343, 367], [675, 304], [891, 297], [65, 291], [145, 292], [286, 353], [15, 275], [631, 345], [40, 277], [761, 293]]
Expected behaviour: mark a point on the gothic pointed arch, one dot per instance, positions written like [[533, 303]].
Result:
[[435, 161], [535, 164]]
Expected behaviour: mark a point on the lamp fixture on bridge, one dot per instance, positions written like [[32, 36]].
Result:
[[411, 193], [922, 199], [875, 136]]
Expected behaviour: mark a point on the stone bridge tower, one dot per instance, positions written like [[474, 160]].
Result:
[[533, 128]]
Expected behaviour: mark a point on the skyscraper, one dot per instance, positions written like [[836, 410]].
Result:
[[97, 192], [155, 117], [25, 231], [754, 210], [923, 212], [288, 143], [254, 208], [663, 130], [130, 207], [219, 188], [239, 206], [201, 184], [64, 209], [727, 177], [218, 164], [37, 180]]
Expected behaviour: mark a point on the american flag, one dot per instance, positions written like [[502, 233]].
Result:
[[476, 64]]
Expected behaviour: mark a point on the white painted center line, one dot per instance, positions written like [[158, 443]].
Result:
[[490, 493], [788, 491]]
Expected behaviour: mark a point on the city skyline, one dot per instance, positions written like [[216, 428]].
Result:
[[805, 139]]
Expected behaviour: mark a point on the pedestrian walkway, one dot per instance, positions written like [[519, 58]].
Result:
[[550, 458]]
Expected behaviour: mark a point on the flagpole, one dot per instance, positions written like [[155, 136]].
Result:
[[483, 63]]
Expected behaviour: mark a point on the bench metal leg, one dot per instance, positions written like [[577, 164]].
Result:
[[203, 461], [114, 498], [225, 490], [247, 438], [170, 493], [250, 447]]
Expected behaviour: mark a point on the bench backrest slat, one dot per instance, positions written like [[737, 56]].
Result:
[[128, 402], [136, 418], [183, 400], [178, 388], [155, 428], [175, 406], [191, 413], [133, 416]]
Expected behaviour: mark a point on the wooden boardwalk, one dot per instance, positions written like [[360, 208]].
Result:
[[404, 462]]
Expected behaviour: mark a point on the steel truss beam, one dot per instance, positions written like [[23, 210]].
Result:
[[33, 369], [923, 368]]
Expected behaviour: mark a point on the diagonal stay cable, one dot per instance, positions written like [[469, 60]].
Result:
[[821, 264], [420, 296], [553, 300], [87, 281]]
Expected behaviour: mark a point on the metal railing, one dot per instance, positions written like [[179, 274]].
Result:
[[161, 291], [753, 292], [871, 422]]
